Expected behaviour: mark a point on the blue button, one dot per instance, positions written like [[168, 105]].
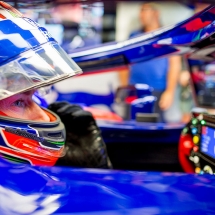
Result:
[[194, 130]]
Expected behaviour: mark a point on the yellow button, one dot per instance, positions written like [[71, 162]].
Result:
[[197, 170], [195, 139]]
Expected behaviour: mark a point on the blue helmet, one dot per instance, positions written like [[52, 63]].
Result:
[[30, 58]]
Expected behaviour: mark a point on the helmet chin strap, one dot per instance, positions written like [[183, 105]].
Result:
[[51, 117]]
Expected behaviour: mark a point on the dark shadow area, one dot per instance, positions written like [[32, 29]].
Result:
[[146, 157]]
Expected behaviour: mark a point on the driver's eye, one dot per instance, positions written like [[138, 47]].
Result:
[[19, 103]]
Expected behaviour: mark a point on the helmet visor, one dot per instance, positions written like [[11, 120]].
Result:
[[36, 68]]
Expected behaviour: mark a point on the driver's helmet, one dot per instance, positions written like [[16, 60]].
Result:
[[30, 58]]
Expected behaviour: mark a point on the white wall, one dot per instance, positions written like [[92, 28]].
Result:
[[127, 16]]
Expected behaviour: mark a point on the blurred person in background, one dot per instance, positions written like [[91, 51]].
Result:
[[186, 99], [162, 73], [80, 26]]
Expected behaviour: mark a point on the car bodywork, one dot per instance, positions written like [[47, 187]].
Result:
[[57, 190], [44, 190]]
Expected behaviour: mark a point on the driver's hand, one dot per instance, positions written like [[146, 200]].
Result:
[[166, 100], [84, 144]]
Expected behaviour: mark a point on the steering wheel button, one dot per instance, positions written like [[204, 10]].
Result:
[[208, 169], [195, 148], [195, 139], [197, 170], [196, 159], [194, 130], [194, 121]]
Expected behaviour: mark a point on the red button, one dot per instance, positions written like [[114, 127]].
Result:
[[195, 148]]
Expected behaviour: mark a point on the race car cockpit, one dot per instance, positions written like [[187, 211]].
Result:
[[194, 39]]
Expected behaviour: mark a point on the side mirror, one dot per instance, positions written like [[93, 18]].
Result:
[[129, 93], [136, 102]]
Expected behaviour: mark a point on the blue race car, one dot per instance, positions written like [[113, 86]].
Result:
[[56, 190]]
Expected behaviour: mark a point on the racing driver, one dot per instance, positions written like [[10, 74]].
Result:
[[31, 59]]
